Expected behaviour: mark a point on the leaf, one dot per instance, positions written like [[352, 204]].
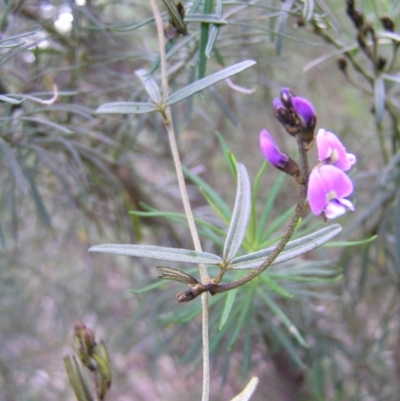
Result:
[[169, 273], [274, 286], [283, 317], [380, 98], [204, 31], [126, 108], [229, 300], [148, 288], [213, 33], [248, 391], [204, 83], [240, 215], [308, 9], [281, 24], [149, 84], [389, 35], [342, 244], [14, 165], [10, 100], [210, 194], [49, 123], [392, 78], [292, 249], [159, 252], [206, 18]]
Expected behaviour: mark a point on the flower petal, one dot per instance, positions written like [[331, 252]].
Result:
[[327, 183], [305, 111], [337, 207], [330, 147]]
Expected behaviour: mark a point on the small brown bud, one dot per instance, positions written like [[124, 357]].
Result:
[[387, 23], [185, 296], [342, 64], [381, 63]]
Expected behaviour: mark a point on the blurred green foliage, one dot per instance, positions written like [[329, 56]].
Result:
[[69, 178]]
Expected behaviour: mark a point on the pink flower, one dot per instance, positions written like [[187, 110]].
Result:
[[331, 150], [328, 187]]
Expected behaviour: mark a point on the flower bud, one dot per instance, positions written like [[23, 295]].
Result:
[[280, 160], [286, 97], [307, 118]]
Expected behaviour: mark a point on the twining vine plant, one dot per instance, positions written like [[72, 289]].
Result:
[[325, 189]]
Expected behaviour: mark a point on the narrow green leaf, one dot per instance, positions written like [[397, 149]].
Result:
[[214, 30], [225, 151], [212, 195], [149, 84], [281, 25], [49, 123], [37, 198], [272, 194], [293, 249], [204, 83], [253, 229], [206, 18], [240, 215], [126, 108], [159, 252], [389, 35], [308, 9], [243, 316], [380, 99], [10, 100], [391, 77], [14, 165], [248, 391], [283, 317], [342, 244], [204, 31], [157, 284], [229, 300], [277, 222], [274, 286]]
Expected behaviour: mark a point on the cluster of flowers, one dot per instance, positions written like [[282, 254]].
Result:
[[328, 184]]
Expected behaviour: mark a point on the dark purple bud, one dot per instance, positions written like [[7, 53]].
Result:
[[286, 96], [305, 111], [306, 120], [285, 116]]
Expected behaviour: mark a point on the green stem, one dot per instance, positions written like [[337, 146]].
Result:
[[304, 168], [185, 200]]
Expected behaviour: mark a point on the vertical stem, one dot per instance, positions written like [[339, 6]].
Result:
[[185, 198]]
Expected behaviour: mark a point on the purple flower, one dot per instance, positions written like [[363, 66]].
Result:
[[327, 188], [271, 151], [331, 150], [305, 111]]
